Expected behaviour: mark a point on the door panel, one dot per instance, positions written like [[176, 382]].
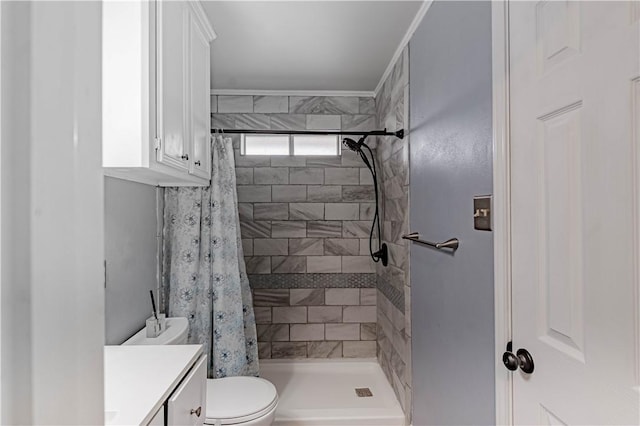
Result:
[[574, 219], [172, 27], [200, 106]]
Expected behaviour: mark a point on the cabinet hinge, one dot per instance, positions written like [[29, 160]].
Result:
[[157, 143]]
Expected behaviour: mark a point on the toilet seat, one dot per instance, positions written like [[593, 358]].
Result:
[[237, 400]]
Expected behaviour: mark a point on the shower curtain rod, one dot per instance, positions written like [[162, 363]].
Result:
[[399, 133]]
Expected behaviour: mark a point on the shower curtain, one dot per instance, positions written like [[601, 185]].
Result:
[[204, 275]]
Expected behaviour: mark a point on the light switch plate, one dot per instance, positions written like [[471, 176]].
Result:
[[482, 212]]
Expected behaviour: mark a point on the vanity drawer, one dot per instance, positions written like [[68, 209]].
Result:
[[186, 406]]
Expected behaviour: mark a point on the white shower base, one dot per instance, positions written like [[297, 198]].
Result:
[[322, 393]]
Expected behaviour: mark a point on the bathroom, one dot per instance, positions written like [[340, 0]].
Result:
[[319, 212]]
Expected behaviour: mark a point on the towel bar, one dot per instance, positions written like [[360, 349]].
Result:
[[452, 243]]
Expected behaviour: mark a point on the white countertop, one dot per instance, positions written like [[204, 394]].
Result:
[[138, 379]]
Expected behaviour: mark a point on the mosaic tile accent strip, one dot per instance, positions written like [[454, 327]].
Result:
[[395, 296], [289, 281]]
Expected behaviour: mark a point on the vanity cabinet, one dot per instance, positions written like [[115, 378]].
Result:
[[186, 406], [156, 125]]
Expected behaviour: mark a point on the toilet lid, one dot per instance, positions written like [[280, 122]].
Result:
[[239, 399]]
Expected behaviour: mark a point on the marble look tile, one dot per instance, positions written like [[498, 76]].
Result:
[[342, 211], [270, 297], [368, 331], [245, 211], [324, 193], [253, 121], [367, 106], [367, 210], [358, 264], [289, 229], [325, 314], [341, 246], [342, 296], [323, 105], [244, 176], [368, 296], [270, 247], [235, 104], [289, 315], [251, 160], [307, 296], [288, 122], [359, 349], [365, 177], [306, 211], [289, 193], [342, 331], [264, 350], [324, 350], [262, 314], [306, 246], [254, 193], [271, 104], [288, 264], [324, 229], [358, 193], [250, 229], [359, 122], [271, 175], [356, 229], [341, 176], [306, 176], [323, 264], [398, 255], [288, 161], [213, 100], [223, 121], [273, 332], [351, 159], [334, 161], [366, 246], [307, 332], [282, 350], [258, 265], [323, 122], [247, 247], [359, 314], [271, 211], [394, 188]]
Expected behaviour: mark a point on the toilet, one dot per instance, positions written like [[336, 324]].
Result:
[[241, 401]]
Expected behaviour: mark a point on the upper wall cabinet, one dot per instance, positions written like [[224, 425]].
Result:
[[156, 110]]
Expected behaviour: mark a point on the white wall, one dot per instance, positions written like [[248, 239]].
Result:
[[52, 247], [131, 239]]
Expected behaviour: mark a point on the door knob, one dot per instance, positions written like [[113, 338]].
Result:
[[522, 359], [525, 361]]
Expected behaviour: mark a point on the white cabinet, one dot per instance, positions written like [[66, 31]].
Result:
[[155, 92], [187, 405]]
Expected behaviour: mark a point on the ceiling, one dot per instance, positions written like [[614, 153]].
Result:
[[305, 45]]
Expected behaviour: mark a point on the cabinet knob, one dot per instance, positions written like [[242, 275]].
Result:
[[197, 411], [197, 163], [185, 157]]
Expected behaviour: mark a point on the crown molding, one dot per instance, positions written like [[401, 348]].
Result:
[[426, 4], [246, 92]]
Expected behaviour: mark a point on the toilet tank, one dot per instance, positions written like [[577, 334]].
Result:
[[175, 334]]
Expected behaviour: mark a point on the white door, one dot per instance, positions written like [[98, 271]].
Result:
[[575, 99], [171, 73], [200, 106]]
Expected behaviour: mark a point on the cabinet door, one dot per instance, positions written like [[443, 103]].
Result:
[[171, 71], [200, 106], [187, 405]]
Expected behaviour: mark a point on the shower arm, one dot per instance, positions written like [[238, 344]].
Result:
[[399, 133]]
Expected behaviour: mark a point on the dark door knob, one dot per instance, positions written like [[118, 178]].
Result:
[[510, 361], [525, 361]]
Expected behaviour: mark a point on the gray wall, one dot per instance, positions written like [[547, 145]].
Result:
[[131, 238], [452, 296]]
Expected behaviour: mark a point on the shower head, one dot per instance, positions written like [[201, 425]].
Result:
[[353, 145]]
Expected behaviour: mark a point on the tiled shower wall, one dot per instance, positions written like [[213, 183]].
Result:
[[394, 291], [305, 224]]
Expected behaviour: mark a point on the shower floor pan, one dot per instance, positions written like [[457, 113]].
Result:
[[325, 393]]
